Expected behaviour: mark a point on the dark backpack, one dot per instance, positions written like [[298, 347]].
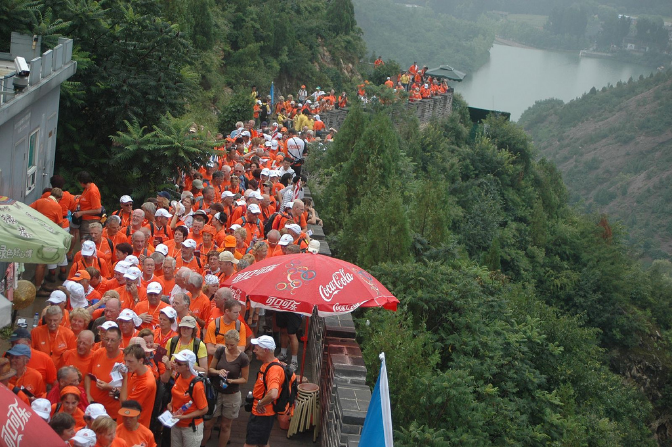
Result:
[[173, 345], [210, 395], [268, 226], [290, 388], [217, 326]]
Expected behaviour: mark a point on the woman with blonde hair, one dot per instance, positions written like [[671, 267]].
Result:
[[106, 433], [79, 320], [259, 251]]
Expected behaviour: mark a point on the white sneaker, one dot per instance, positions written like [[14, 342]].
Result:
[[294, 366], [282, 357]]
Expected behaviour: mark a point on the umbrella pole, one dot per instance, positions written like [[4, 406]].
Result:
[[305, 345]]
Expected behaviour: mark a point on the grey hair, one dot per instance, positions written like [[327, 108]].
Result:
[[157, 257], [184, 296], [196, 280], [65, 371], [96, 225], [138, 232], [114, 218], [54, 310], [149, 206], [184, 272], [170, 260]]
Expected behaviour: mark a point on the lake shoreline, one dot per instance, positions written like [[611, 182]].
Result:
[[512, 43]]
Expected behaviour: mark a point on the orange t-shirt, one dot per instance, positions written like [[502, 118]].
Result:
[[116, 442], [98, 262], [200, 307], [50, 208], [223, 329], [144, 307], [127, 300], [31, 380], [161, 339], [274, 379], [90, 200], [101, 367], [78, 415], [140, 436], [143, 389], [42, 363], [154, 278], [72, 358], [181, 396], [53, 344], [192, 264]]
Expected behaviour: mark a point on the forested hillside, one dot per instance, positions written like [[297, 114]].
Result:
[[517, 313], [614, 149], [406, 35]]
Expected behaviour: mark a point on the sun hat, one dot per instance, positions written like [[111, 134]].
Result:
[[171, 314], [189, 357], [212, 280], [188, 321], [129, 315], [314, 246], [227, 256], [77, 295], [140, 341], [6, 370]]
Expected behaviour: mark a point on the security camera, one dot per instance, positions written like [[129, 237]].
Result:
[[22, 68]]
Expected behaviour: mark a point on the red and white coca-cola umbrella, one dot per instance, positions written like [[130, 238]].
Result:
[[20, 426], [298, 283]]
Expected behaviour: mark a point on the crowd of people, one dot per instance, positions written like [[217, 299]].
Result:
[[143, 312], [415, 81]]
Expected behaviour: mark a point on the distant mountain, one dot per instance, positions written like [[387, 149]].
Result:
[[614, 149]]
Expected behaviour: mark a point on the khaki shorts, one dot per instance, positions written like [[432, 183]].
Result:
[[228, 405]]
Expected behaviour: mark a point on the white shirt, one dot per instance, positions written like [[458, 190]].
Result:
[[295, 147]]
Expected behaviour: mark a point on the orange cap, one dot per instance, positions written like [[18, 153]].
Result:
[[230, 241], [209, 229], [80, 275], [71, 390]]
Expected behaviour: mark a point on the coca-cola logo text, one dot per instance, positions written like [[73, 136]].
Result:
[[282, 304], [242, 276], [339, 280], [345, 308]]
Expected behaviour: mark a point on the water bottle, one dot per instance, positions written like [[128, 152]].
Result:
[[36, 319], [222, 382], [184, 408], [249, 401]]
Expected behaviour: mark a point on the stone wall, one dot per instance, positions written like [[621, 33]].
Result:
[[426, 109], [338, 368]]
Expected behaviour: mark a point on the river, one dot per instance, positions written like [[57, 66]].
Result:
[[515, 78]]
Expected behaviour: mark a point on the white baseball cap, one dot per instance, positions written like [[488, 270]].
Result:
[[266, 171], [286, 239], [189, 243], [77, 295], [129, 315], [108, 324], [133, 260], [264, 341], [122, 266], [234, 227], [133, 273], [57, 297], [161, 212], [293, 227], [85, 438], [172, 314], [125, 199], [162, 248], [94, 411], [88, 248], [254, 209], [227, 194], [154, 287], [43, 408]]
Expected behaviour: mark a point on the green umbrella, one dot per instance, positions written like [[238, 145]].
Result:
[[446, 71], [26, 235]]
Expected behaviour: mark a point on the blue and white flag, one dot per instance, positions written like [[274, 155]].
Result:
[[272, 96], [377, 431]]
